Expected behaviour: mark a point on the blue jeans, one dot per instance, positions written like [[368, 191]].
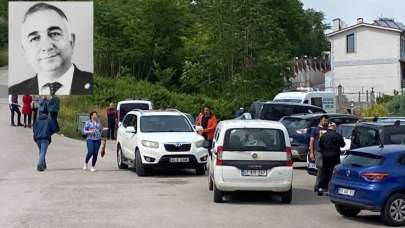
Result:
[[93, 147], [43, 147]]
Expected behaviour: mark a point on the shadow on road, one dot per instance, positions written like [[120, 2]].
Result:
[[374, 220]]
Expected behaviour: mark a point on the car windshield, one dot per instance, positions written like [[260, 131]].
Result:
[[345, 131], [293, 124], [362, 159], [125, 108], [254, 139], [163, 123]]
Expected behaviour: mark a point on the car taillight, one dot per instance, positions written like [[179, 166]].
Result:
[[374, 176], [289, 161], [220, 150], [302, 131]]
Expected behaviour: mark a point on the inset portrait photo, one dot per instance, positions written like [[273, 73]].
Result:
[[50, 48]]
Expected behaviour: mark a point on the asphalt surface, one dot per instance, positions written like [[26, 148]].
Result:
[[67, 196]]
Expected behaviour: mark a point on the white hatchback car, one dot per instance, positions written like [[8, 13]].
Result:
[[251, 155], [159, 139]]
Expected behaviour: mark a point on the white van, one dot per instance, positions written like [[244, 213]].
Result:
[[123, 107], [323, 99]]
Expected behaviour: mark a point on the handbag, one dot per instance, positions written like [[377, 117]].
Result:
[[103, 145]]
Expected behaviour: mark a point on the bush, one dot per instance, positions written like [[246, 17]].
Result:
[[108, 90], [377, 110]]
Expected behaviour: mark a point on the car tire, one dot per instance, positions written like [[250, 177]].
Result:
[[394, 206], [139, 167], [200, 170], [120, 159], [210, 183], [286, 197], [218, 195], [347, 211]]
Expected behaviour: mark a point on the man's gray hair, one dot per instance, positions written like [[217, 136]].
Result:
[[44, 6]]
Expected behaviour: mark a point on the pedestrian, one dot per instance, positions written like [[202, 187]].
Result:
[[35, 106], [43, 105], [316, 133], [27, 110], [14, 108], [239, 112], [208, 121], [92, 129], [112, 117], [53, 109], [329, 146], [43, 130]]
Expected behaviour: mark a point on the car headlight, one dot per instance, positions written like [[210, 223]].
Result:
[[150, 144], [199, 144]]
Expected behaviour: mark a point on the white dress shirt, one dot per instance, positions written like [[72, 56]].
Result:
[[66, 81]]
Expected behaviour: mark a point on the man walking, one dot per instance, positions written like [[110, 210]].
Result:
[[53, 109], [329, 146], [43, 130], [14, 107], [316, 134], [208, 121]]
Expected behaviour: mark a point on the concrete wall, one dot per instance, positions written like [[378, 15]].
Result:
[[375, 62]]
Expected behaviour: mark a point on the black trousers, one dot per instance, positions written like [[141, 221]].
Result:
[[111, 129], [34, 115], [325, 172], [29, 120], [13, 109]]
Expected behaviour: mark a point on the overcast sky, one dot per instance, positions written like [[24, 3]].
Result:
[[350, 10]]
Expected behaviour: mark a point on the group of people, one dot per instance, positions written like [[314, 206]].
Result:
[[324, 149]]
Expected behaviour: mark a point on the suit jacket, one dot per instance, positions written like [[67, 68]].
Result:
[[82, 84]]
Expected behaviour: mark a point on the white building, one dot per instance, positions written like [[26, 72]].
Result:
[[365, 56]]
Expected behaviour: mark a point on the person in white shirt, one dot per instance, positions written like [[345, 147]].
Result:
[[48, 43]]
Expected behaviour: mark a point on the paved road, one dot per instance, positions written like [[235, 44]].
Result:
[[67, 196]]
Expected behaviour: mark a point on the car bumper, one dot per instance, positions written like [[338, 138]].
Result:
[[279, 179], [366, 196], [160, 159]]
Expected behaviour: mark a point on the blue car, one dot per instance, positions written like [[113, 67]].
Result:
[[371, 178]]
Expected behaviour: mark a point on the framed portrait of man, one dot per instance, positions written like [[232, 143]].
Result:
[[50, 48]]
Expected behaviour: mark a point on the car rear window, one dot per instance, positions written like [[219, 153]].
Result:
[[293, 124], [125, 108], [364, 136], [345, 131], [362, 159], [397, 138], [277, 111], [254, 139]]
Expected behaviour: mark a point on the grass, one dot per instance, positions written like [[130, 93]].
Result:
[[3, 57]]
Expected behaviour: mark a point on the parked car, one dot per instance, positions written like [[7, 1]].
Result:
[[346, 131], [251, 155], [371, 178], [323, 99], [159, 139], [123, 107], [299, 129], [271, 110]]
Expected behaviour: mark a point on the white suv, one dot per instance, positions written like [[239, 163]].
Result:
[[159, 139], [251, 155]]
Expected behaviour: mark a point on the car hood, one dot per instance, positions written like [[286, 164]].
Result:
[[173, 137]]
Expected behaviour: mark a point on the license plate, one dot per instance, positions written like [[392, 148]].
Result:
[[346, 192], [256, 173], [178, 160], [311, 165]]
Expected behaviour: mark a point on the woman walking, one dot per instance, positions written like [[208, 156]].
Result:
[[92, 129], [26, 110]]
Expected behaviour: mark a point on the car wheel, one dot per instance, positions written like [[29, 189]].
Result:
[[140, 168], [393, 212], [120, 158], [347, 211], [200, 170], [218, 195], [286, 197], [210, 183]]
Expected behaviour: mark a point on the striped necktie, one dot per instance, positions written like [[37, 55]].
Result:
[[53, 87]]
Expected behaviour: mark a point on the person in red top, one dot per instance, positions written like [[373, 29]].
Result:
[[208, 121], [112, 117], [27, 110]]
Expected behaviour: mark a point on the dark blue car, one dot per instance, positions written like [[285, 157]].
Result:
[[371, 178]]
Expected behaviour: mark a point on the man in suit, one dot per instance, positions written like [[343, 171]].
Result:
[[48, 42]]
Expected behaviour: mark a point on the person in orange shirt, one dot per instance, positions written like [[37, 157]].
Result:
[[208, 121]]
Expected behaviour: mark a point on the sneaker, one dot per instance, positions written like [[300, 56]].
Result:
[[93, 169], [85, 166]]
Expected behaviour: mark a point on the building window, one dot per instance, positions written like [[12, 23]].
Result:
[[350, 43]]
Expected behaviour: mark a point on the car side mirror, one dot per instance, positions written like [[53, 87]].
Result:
[[131, 130], [198, 128]]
